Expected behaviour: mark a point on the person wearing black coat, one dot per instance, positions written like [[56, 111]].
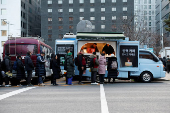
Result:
[[112, 73], [1, 79], [20, 70], [51, 61], [40, 68], [56, 69], [29, 66]]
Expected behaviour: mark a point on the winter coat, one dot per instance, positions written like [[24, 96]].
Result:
[[112, 72], [80, 58], [96, 64], [56, 68], [40, 66], [167, 61], [70, 65], [20, 70], [8, 66], [29, 66], [102, 64]]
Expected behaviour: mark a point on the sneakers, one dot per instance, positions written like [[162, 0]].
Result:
[[7, 85], [19, 85], [42, 84], [94, 83], [29, 85], [80, 83]]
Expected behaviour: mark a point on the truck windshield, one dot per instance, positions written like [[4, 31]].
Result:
[[21, 49]]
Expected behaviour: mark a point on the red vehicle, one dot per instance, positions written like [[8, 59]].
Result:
[[20, 46]]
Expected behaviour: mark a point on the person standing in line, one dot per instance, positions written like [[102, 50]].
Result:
[[1, 78], [168, 64], [40, 68], [51, 62], [102, 68], [20, 70], [81, 66], [29, 66], [56, 69], [8, 68], [94, 68], [65, 64], [70, 66], [108, 49]]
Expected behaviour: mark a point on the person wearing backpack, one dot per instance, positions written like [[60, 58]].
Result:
[[70, 68], [102, 68], [112, 67], [94, 62], [168, 63], [29, 66], [20, 70], [8, 68]]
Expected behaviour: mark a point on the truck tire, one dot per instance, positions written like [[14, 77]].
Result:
[[146, 77]]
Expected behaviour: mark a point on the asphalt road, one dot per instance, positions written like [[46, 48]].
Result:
[[121, 97]]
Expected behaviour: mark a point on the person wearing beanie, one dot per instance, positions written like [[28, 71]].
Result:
[[70, 67]]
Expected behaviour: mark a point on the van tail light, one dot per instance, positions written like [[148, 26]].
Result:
[[65, 73], [117, 73]]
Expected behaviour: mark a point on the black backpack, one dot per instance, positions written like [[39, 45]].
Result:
[[76, 61], [3, 66], [91, 62]]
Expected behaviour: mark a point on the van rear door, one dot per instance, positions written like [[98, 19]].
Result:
[[128, 57]]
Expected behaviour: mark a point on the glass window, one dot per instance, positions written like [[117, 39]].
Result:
[[145, 6], [92, 18], [102, 26], [124, 17], [49, 27], [70, 18], [3, 33], [149, 12], [60, 10], [150, 7], [49, 36], [71, 10], [113, 8], [102, 9], [149, 17], [70, 27], [3, 22], [150, 23], [60, 19], [145, 55], [103, 18], [81, 9], [81, 1], [92, 1], [113, 17], [3, 11], [60, 27], [149, 1], [124, 0], [145, 12], [102, 1], [49, 19], [81, 18], [60, 1], [113, 1], [49, 10], [30, 1], [3, 1], [49, 1], [92, 9], [145, 1], [124, 8], [70, 1]]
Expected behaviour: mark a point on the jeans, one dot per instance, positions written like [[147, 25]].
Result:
[[93, 76], [29, 76], [40, 81], [101, 78]]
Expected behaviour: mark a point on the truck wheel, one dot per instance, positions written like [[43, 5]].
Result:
[[146, 77]]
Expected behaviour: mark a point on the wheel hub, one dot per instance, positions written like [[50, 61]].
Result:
[[146, 77]]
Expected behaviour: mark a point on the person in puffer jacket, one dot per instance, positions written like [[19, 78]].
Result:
[[102, 68], [94, 68]]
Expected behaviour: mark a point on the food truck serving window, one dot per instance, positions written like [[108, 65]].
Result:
[[128, 56]]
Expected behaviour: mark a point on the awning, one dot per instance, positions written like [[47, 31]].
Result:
[[100, 35]]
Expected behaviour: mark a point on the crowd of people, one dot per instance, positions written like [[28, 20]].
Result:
[[96, 66], [166, 62]]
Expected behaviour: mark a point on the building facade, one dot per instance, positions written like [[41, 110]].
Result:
[[162, 13], [19, 18], [62, 16], [145, 11]]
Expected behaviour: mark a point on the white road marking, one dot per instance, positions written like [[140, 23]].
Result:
[[104, 107], [15, 92]]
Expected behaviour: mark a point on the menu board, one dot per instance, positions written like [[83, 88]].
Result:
[[128, 56], [61, 51]]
